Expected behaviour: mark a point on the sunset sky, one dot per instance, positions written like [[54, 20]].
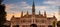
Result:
[[14, 7]]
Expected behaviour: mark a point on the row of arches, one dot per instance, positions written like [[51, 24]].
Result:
[[33, 25]]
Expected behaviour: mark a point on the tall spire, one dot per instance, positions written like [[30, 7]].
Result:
[[27, 13], [45, 14], [39, 13], [22, 14], [54, 15], [33, 8], [13, 16]]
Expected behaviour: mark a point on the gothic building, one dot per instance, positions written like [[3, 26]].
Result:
[[33, 20]]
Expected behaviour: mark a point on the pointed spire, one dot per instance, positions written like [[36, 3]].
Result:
[[13, 16], [54, 16], [33, 3], [33, 8], [45, 14], [22, 14], [27, 13], [39, 13]]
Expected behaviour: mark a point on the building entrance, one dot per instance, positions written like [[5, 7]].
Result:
[[33, 25]]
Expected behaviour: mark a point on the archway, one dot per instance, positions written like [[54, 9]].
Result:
[[33, 25]]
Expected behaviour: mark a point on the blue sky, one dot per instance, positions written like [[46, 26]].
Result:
[[16, 6]]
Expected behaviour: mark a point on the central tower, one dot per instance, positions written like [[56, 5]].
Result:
[[33, 8]]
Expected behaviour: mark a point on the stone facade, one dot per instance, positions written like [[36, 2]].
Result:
[[33, 20]]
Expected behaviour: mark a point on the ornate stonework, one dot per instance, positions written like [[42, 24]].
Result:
[[33, 20]]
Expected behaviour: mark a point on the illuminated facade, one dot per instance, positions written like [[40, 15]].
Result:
[[33, 20]]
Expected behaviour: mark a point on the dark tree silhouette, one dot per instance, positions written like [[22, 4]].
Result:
[[54, 24], [1, 1], [2, 13], [58, 24]]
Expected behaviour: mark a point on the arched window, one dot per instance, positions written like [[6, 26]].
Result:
[[50, 26], [33, 25], [16, 26]]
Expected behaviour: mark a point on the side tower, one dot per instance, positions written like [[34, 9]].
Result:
[[22, 14], [45, 15]]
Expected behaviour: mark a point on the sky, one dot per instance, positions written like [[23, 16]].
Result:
[[15, 7]]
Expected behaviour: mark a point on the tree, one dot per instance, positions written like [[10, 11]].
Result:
[[54, 24], [2, 13], [58, 24], [1, 1]]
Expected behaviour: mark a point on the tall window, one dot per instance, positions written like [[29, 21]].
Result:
[[42, 21]]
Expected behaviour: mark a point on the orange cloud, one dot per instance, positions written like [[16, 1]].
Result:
[[57, 16], [9, 15]]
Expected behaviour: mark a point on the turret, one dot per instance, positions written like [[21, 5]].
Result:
[[13, 16], [45, 14], [54, 16], [22, 14], [27, 13], [39, 13]]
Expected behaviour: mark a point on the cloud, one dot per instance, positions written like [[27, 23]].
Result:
[[41, 7], [8, 6], [57, 16], [20, 6], [16, 9], [23, 6], [9, 16], [52, 2]]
